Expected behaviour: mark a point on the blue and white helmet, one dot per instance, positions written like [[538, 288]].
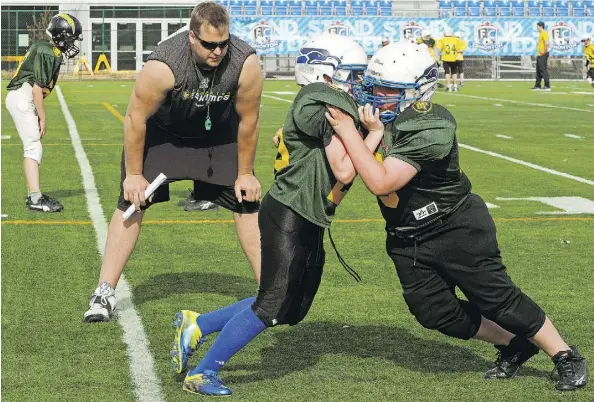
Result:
[[335, 56], [407, 67]]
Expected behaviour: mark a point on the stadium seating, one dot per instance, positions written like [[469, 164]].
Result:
[[490, 8], [504, 8], [562, 8], [312, 7], [295, 7], [371, 7], [459, 8], [250, 7], [474, 8], [517, 8], [325, 7], [281, 7], [340, 8], [356, 7], [266, 7], [534, 8], [589, 8], [236, 7], [385, 7], [445, 8], [578, 8], [548, 8]]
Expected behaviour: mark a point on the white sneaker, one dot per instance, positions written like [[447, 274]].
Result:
[[101, 304]]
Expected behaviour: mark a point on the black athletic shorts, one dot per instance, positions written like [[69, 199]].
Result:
[[590, 73], [292, 264], [460, 66], [211, 165], [450, 67]]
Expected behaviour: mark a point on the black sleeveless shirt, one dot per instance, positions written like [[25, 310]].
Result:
[[183, 113]]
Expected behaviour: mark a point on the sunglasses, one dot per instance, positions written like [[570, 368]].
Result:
[[212, 45]]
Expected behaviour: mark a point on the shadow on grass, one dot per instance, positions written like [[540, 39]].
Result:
[[303, 346], [165, 285]]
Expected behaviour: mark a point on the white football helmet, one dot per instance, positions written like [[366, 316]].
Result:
[[448, 32], [408, 68], [335, 56], [426, 34]]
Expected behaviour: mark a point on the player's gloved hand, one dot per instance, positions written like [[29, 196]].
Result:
[[370, 120], [134, 186], [341, 122], [247, 188]]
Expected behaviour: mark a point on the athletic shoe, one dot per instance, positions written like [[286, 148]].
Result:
[[44, 204], [200, 206], [570, 369], [510, 358], [206, 383], [462, 83], [188, 199], [101, 304], [546, 89], [188, 337], [456, 89], [536, 88]]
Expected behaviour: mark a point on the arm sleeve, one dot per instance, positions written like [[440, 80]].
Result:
[[43, 67], [423, 147], [310, 119]]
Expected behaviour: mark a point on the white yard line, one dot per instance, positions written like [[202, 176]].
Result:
[[507, 158], [521, 103], [276, 98], [147, 385]]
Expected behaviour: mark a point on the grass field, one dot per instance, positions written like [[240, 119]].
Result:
[[359, 343]]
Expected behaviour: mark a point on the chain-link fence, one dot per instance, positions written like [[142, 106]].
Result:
[[125, 36]]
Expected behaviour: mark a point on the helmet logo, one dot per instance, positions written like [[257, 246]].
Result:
[[317, 56], [69, 20], [422, 107]]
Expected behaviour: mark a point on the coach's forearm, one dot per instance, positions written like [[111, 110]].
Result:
[[134, 137], [38, 101], [247, 140]]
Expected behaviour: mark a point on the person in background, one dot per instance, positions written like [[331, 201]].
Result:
[[462, 46], [542, 59], [589, 59]]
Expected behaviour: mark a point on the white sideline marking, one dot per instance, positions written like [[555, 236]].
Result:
[[507, 158], [584, 93], [277, 98], [147, 385], [281, 92], [498, 105], [6, 137], [503, 136], [573, 136], [491, 206], [521, 103], [591, 104]]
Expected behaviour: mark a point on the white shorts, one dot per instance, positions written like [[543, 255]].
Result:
[[19, 103]]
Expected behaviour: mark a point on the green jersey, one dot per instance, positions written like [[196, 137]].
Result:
[[304, 180], [424, 136], [41, 66]]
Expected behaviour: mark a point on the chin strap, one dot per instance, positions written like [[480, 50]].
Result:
[[346, 266]]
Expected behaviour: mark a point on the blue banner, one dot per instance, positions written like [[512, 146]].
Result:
[[485, 36]]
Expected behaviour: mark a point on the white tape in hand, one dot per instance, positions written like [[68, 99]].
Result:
[[147, 193]]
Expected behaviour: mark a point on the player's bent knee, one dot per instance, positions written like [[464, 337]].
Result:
[[462, 320], [33, 150]]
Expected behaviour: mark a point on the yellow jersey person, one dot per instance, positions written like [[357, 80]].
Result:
[[542, 58], [462, 46], [589, 55], [428, 40], [448, 46]]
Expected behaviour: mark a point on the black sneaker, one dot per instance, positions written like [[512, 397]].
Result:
[[44, 204], [536, 88], [511, 357], [570, 369], [187, 200], [200, 206]]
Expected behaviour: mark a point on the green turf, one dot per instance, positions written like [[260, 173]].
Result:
[[359, 342]]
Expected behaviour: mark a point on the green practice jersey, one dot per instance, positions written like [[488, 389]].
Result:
[[424, 136], [304, 180], [40, 66]]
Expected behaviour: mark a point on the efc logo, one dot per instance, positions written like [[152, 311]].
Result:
[[412, 31], [486, 37], [338, 28], [562, 37], [261, 36]]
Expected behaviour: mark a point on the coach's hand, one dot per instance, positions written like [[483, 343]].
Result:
[[247, 188], [134, 186]]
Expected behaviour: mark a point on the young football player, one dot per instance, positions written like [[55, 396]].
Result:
[[440, 235], [589, 59], [448, 47], [34, 80], [313, 174]]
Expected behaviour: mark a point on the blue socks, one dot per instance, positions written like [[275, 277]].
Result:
[[216, 320], [237, 333]]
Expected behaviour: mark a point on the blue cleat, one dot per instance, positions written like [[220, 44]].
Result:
[[206, 383], [187, 339]]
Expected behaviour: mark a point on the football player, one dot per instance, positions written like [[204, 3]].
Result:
[[439, 234], [32, 82], [313, 175], [448, 46], [589, 59], [462, 46]]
